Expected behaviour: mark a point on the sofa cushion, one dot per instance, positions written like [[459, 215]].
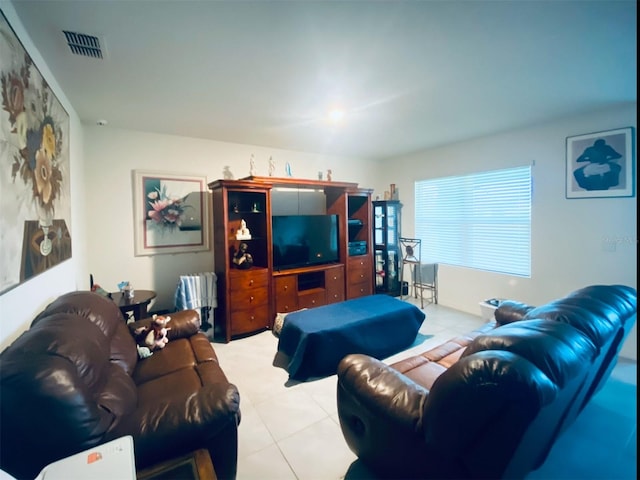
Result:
[[99, 310], [176, 355], [70, 337], [622, 297], [174, 383], [119, 395], [104, 314], [202, 350], [591, 317], [510, 311], [427, 366], [557, 349]]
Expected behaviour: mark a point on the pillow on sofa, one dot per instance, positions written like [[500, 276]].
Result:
[[279, 321], [510, 311]]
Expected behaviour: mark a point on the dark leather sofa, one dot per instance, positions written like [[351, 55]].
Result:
[[74, 381], [489, 404]]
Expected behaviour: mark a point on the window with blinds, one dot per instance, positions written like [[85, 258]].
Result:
[[482, 220]]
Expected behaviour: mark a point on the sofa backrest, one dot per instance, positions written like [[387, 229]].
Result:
[[494, 412], [606, 314], [105, 314], [64, 382]]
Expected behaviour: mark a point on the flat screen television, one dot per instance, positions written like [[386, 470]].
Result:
[[304, 240]]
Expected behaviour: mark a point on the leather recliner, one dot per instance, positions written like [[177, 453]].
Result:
[[74, 381], [489, 404]]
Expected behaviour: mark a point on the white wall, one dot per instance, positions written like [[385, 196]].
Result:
[[19, 305], [113, 154], [569, 236]]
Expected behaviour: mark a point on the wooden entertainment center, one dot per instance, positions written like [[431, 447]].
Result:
[[249, 296]]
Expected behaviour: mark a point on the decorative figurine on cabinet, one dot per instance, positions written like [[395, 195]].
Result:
[[243, 259], [252, 166], [272, 167], [243, 232]]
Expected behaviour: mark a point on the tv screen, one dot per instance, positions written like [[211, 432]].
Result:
[[303, 240]]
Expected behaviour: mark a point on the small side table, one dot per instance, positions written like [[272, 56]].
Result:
[[138, 304], [194, 466]]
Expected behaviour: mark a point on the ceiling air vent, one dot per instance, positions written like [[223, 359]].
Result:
[[82, 44]]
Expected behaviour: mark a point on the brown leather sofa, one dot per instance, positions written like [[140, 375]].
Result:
[[74, 381], [489, 404]]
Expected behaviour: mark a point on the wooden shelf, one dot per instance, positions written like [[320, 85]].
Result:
[[299, 182]]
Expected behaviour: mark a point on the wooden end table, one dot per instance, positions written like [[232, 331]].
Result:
[[193, 466], [138, 304]]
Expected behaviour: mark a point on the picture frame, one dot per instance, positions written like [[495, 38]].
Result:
[[601, 164], [171, 213], [35, 165]]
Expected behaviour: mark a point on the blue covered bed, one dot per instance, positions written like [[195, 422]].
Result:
[[312, 342]]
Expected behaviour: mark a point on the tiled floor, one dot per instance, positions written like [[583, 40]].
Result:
[[290, 430]]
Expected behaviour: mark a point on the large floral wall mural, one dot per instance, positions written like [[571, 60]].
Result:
[[35, 207]]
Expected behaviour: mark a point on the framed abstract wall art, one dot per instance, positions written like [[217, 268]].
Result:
[[171, 213], [35, 203], [601, 164]]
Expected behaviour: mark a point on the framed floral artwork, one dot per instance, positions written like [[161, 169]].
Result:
[[35, 203], [601, 164], [171, 213]]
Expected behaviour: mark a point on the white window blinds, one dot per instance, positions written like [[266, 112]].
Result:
[[482, 220]]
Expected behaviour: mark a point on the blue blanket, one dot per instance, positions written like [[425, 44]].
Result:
[[312, 342]]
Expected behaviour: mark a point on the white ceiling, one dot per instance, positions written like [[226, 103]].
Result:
[[410, 74]]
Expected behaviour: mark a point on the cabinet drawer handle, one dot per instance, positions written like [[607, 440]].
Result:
[[313, 302], [251, 299], [335, 278], [362, 275], [252, 317], [286, 287], [250, 282]]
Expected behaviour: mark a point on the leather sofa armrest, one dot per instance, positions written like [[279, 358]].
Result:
[[380, 411], [184, 323], [511, 311]]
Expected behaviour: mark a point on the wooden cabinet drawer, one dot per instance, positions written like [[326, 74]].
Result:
[[287, 305], [361, 289], [248, 298], [244, 279], [360, 269], [285, 285], [249, 320], [286, 295], [360, 277], [334, 284], [311, 298]]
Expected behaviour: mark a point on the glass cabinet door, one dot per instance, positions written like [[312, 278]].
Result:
[[378, 225], [386, 234]]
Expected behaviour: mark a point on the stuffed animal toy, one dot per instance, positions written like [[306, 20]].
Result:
[[153, 337]]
